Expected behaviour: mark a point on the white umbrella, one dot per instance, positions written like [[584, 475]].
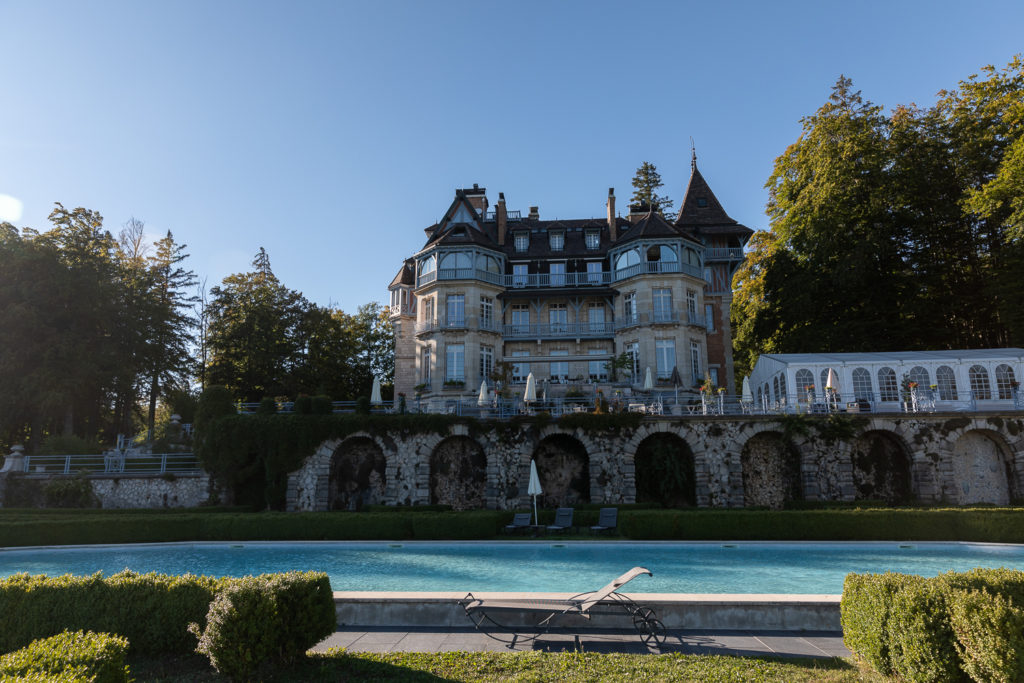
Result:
[[482, 399], [375, 392], [748, 395], [648, 382], [833, 381], [531, 389], [534, 488]]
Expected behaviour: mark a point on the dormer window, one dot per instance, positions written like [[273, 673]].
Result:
[[593, 238], [557, 240], [702, 202], [522, 242]]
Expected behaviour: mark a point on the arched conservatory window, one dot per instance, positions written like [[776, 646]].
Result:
[[427, 265], [782, 385], [775, 388], [662, 252], [458, 260], [946, 381], [980, 385], [1005, 381], [804, 379], [488, 263], [627, 259], [921, 376], [862, 385], [888, 387]]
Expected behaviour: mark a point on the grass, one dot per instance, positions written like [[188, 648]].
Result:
[[339, 665]]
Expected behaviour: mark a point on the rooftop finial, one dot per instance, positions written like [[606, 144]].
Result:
[[693, 155]]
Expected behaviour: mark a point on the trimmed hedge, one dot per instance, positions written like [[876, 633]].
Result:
[[152, 611], [70, 656], [938, 629], [266, 621]]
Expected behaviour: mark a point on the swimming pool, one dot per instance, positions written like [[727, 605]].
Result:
[[776, 567]]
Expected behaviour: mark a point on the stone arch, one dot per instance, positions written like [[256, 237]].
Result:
[[982, 469], [563, 465], [771, 470], [881, 467], [458, 474], [665, 471], [357, 475]]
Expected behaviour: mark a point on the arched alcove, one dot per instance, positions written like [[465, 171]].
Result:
[[982, 469], [771, 471], [458, 474], [563, 466], [665, 472], [357, 475], [881, 468]]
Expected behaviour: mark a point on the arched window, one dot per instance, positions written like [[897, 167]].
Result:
[[1005, 381], [488, 264], [888, 387], [946, 381], [662, 252], [920, 375], [862, 385], [782, 385], [627, 259], [456, 260], [980, 385], [775, 388], [804, 383], [427, 265]]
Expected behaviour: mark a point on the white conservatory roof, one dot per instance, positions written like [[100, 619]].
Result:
[[890, 356]]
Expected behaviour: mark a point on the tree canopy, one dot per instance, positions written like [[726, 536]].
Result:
[[646, 183], [896, 231]]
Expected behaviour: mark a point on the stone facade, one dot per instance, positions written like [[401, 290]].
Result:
[[183, 491], [758, 460]]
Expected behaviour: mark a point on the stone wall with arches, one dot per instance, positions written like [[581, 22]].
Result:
[[732, 462]]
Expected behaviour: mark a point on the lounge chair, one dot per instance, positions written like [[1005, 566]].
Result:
[[486, 613], [607, 520], [520, 522], [563, 520]]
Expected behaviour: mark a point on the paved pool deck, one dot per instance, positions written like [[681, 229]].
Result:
[[739, 643]]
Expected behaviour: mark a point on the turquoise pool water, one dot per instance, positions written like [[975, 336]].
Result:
[[526, 566]]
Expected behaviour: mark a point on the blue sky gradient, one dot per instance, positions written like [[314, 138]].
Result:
[[332, 133]]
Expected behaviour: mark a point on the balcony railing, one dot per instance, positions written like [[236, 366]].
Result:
[[467, 323], [120, 463], [661, 318], [512, 215], [657, 268], [535, 280], [559, 330], [723, 254]]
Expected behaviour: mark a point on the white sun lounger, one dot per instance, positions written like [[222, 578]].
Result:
[[485, 613]]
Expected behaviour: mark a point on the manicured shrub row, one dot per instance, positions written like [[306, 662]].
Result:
[[264, 621], [70, 656], [996, 525], [270, 526], [938, 629], [152, 611]]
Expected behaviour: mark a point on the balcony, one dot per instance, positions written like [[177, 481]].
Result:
[[657, 268], [584, 330], [467, 323], [661, 318], [536, 280], [723, 254]]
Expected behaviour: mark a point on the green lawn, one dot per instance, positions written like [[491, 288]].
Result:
[[527, 666]]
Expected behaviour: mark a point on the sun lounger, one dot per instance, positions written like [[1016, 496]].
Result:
[[487, 614], [520, 522], [563, 520], [607, 520]]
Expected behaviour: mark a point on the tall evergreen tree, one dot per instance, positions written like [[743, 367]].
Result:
[[646, 183]]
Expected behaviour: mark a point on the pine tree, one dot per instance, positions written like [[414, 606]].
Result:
[[646, 183]]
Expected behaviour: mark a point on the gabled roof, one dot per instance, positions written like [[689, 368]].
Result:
[[461, 224], [406, 274], [703, 213]]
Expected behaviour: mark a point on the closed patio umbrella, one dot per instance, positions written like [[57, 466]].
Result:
[[676, 380], [482, 399], [375, 392], [832, 382], [534, 488], [748, 395], [530, 396], [648, 382]]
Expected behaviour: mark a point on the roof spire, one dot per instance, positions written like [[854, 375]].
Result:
[[693, 155]]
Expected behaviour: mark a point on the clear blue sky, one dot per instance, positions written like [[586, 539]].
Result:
[[332, 133]]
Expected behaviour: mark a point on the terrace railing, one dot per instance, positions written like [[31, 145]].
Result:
[[111, 463]]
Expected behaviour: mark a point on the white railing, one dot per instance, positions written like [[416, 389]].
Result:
[[558, 330], [114, 463]]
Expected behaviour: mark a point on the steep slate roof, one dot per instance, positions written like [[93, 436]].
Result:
[[709, 219], [653, 225], [575, 238], [406, 274]]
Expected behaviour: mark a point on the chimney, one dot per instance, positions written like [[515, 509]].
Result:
[[502, 217], [534, 213], [477, 197], [638, 211], [613, 233]]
